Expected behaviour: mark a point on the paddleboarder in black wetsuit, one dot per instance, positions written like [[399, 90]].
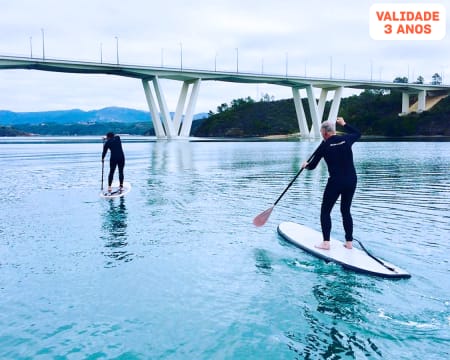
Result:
[[337, 152], [117, 158]]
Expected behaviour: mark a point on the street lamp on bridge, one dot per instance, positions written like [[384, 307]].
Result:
[[43, 44], [117, 49], [371, 70], [331, 67], [287, 59], [181, 56], [237, 60]]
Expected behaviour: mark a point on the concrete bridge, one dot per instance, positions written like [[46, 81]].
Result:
[[180, 125]]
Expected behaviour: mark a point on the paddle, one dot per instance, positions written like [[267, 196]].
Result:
[[103, 164], [262, 218], [103, 170]]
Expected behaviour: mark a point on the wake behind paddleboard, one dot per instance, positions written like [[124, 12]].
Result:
[[354, 259], [116, 191]]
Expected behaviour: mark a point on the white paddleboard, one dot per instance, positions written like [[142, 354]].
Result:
[[116, 190], [354, 259]]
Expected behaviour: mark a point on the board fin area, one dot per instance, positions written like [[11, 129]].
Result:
[[354, 259]]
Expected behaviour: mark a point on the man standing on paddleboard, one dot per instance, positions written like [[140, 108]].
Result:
[[338, 155], [117, 158]]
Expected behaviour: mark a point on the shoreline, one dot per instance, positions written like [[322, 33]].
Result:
[[277, 137], [363, 137]]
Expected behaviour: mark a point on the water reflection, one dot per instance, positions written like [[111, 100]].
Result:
[[171, 156], [115, 233], [263, 262], [332, 342], [339, 297], [335, 325]]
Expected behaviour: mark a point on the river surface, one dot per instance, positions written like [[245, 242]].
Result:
[[176, 270]]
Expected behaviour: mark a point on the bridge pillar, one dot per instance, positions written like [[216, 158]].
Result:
[[316, 109], [187, 121], [163, 110], [334, 111], [159, 130], [321, 107], [164, 125], [422, 101], [180, 106], [405, 104], [301, 117]]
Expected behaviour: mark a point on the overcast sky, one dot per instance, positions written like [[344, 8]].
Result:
[[305, 37]]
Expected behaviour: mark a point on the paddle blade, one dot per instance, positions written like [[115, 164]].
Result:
[[262, 218]]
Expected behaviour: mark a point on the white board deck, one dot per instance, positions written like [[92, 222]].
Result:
[[115, 191], [354, 259]]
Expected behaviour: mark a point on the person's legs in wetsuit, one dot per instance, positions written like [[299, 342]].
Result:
[[330, 196], [112, 169], [121, 165], [333, 190], [346, 203]]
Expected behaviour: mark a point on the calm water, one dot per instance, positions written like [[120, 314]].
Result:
[[176, 270]]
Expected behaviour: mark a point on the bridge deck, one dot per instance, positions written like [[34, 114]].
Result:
[[179, 126], [148, 72]]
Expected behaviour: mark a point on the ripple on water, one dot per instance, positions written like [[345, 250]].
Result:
[[177, 270]]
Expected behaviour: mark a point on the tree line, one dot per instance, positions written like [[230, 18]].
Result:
[[374, 112]]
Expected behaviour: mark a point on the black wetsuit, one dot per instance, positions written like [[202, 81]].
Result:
[[337, 152], [117, 158]]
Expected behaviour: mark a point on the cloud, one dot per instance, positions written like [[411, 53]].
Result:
[[314, 38]]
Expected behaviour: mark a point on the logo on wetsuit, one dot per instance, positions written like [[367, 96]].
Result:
[[339, 143]]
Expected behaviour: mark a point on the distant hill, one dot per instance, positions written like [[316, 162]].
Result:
[[79, 122], [9, 131], [109, 114], [373, 112]]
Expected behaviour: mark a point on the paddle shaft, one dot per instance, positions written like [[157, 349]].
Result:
[[103, 170], [296, 176], [103, 164]]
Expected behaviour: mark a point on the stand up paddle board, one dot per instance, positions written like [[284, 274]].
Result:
[[353, 259], [116, 191]]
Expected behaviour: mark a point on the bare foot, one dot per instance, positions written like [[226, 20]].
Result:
[[348, 245], [324, 245]]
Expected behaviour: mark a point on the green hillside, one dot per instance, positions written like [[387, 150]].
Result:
[[9, 131], [373, 112]]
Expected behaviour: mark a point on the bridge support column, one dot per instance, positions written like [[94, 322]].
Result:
[[163, 124], [301, 117], [405, 104], [422, 101], [334, 111], [163, 110], [316, 110], [187, 121], [159, 130]]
